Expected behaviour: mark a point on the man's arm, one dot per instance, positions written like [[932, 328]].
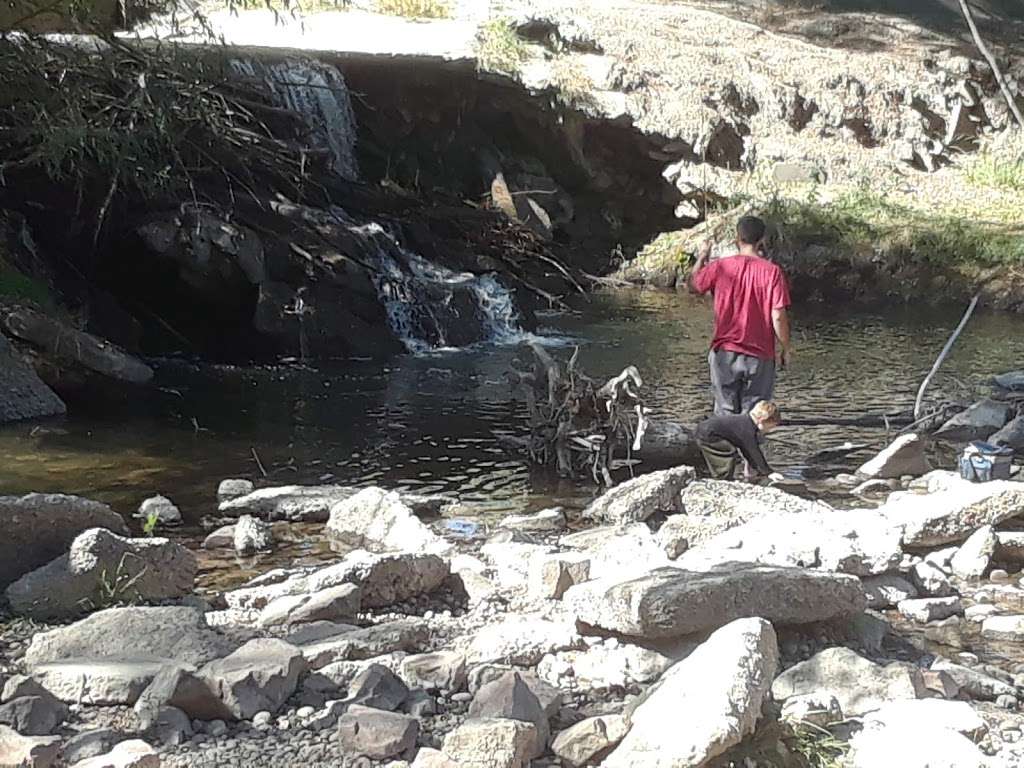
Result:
[[780, 322], [703, 254], [751, 451]]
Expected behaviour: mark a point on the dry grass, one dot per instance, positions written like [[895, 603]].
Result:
[[499, 48], [416, 9], [572, 81]]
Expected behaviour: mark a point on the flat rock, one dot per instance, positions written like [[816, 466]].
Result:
[[546, 521], [258, 677], [887, 590], [338, 603], [926, 746], [409, 635], [521, 640], [136, 569], [102, 681], [19, 751], [637, 499], [41, 526], [904, 456], [376, 734], [858, 684], [510, 697], [972, 559], [37, 715], [950, 516], [717, 691], [610, 664], [133, 753], [590, 740], [1004, 628], [173, 632], [376, 518], [976, 423], [384, 579], [669, 602], [311, 503], [491, 743], [1011, 435], [23, 395], [928, 609]]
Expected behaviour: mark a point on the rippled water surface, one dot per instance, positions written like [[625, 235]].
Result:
[[430, 423]]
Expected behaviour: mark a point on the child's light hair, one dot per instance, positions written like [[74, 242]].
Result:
[[766, 412]]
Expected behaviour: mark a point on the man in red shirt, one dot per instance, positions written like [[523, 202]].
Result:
[[751, 299]]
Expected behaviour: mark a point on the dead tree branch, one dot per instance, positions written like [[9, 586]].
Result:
[[1011, 101]]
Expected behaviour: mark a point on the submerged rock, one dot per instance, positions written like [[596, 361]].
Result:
[[717, 692], [102, 566], [669, 602], [39, 527], [637, 499]]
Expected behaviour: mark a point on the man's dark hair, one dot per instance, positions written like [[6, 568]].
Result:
[[750, 230]]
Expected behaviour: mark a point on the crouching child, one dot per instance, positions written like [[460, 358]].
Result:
[[720, 437]]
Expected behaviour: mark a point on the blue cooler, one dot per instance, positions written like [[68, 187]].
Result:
[[981, 462]]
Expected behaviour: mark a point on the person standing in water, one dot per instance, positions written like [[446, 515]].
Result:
[[751, 302]]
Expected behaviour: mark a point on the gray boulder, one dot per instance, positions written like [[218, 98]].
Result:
[[904, 456], [250, 536], [858, 684], [233, 489], [102, 566], [100, 682], [587, 742], [637, 499], [258, 677], [974, 556], [376, 734], [23, 395], [175, 632], [384, 579], [976, 423], [180, 689], [37, 715], [951, 515], [20, 751], [706, 703], [491, 743], [669, 602], [169, 726], [40, 527], [378, 687], [339, 603], [442, 670], [510, 697], [1012, 435], [221, 538], [164, 510]]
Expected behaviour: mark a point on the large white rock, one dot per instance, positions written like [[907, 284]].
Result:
[[102, 682], [40, 527], [1004, 628], [704, 704], [491, 743], [637, 499], [103, 566], [972, 559], [618, 551], [163, 509], [951, 515], [258, 677], [858, 684], [133, 753], [311, 503], [929, 733], [511, 561], [911, 714], [522, 640], [340, 603], [379, 519], [250, 536], [904, 456], [589, 740], [384, 579], [669, 602], [610, 664], [177, 633]]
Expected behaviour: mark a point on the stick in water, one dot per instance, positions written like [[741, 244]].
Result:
[[942, 356]]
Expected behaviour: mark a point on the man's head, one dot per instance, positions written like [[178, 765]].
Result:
[[750, 232], [766, 415]]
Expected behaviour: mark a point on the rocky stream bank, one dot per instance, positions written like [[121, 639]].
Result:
[[672, 622]]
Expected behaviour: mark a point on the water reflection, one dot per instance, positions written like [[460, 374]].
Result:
[[429, 423]]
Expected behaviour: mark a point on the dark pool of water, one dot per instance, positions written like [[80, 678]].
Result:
[[430, 423]]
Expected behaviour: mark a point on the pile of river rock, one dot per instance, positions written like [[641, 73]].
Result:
[[676, 622]]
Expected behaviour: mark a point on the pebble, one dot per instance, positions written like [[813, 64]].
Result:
[[1006, 701], [261, 719]]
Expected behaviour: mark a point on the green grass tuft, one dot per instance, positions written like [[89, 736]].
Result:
[[499, 48], [999, 164], [817, 747]]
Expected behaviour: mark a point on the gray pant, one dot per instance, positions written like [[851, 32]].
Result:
[[739, 381]]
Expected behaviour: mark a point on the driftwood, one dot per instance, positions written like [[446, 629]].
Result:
[[579, 425]]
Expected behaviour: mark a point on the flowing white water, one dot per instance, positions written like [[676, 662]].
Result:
[[429, 307], [318, 93]]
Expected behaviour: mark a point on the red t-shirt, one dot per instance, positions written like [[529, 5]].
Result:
[[747, 289]]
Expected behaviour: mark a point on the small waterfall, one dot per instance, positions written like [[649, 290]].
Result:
[[430, 306], [319, 94]]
